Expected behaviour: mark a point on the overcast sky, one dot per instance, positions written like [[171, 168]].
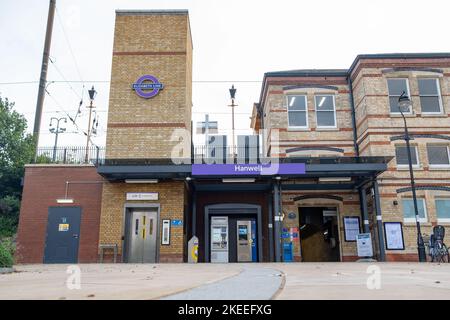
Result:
[[234, 40]]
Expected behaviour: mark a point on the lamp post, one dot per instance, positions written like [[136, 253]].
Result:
[[56, 131], [404, 103], [232, 95], [92, 94]]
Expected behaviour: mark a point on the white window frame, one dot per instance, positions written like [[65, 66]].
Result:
[[441, 109], [410, 220], [334, 111], [408, 93], [443, 166], [306, 110], [440, 220], [404, 166]]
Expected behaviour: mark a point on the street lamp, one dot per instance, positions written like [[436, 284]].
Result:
[[404, 103], [92, 95], [56, 131], [232, 95]]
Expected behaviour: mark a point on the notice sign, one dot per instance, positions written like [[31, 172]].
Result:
[[364, 245], [351, 228], [142, 196], [177, 223], [393, 233], [63, 227]]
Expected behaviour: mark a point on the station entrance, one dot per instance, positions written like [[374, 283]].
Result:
[[319, 234]]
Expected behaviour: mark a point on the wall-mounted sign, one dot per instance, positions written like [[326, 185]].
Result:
[[165, 240], [247, 169], [62, 227], [351, 228], [177, 223], [393, 233], [292, 215], [147, 86], [142, 196], [364, 245]]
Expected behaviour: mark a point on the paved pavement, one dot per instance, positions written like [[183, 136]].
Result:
[[254, 282], [232, 281], [350, 281], [110, 281]]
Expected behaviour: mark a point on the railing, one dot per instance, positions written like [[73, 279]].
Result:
[[227, 154], [200, 154], [70, 155]]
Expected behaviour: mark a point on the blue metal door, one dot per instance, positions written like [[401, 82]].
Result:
[[63, 232]]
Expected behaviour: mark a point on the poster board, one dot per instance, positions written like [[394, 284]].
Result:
[[364, 245], [393, 234], [351, 228]]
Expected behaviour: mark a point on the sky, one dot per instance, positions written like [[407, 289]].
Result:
[[235, 42]]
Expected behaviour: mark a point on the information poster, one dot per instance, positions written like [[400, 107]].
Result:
[[393, 232], [364, 245], [351, 228]]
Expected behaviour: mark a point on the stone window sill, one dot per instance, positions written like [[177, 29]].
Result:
[[434, 115]]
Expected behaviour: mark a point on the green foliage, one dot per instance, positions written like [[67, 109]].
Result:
[[8, 225], [6, 254], [43, 158], [16, 150]]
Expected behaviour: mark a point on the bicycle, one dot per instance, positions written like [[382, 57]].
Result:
[[438, 251]]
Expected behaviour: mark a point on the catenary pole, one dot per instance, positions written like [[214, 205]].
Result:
[[44, 68]]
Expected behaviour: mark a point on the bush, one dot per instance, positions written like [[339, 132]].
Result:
[[6, 254], [8, 226]]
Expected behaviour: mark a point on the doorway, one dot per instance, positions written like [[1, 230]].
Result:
[[63, 233], [141, 230], [233, 233], [234, 239], [319, 234]]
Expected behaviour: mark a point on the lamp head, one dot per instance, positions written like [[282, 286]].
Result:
[[92, 93], [404, 102], [232, 92]]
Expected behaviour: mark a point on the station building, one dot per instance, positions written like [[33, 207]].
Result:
[[327, 163]]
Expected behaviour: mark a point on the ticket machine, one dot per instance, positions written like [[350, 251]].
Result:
[[244, 241], [219, 239]]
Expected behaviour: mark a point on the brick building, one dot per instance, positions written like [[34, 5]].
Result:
[[325, 165]]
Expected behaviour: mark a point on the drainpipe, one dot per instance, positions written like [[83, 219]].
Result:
[[271, 244], [377, 203], [364, 210], [276, 202], [352, 105]]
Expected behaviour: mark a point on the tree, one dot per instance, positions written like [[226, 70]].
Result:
[[16, 149]]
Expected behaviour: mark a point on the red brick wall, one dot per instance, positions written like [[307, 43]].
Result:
[[402, 257], [42, 186]]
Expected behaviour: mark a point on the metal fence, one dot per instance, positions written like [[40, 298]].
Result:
[[70, 155], [223, 154]]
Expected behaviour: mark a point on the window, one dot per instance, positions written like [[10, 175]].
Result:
[[396, 88], [401, 155], [325, 111], [430, 97], [297, 112], [438, 156], [409, 213], [443, 210]]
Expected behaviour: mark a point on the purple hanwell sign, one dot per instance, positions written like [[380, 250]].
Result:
[[247, 169], [147, 82]]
